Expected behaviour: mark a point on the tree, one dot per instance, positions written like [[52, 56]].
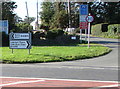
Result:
[[59, 20], [18, 19], [60, 17], [47, 13], [8, 13], [106, 12], [31, 19], [23, 27]]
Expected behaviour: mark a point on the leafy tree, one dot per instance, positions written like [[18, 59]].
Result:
[[106, 12], [60, 17], [47, 13], [23, 27], [8, 13], [31, 19], [18, 19], [59, 20]]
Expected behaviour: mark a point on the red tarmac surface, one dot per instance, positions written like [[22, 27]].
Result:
[[44, 82]]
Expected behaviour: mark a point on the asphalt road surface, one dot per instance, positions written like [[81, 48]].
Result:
[[104, 68]]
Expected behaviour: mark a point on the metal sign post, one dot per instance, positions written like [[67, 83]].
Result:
[[88, 35]]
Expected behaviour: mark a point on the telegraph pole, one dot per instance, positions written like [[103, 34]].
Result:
[[37, 16], [69, 12], [27, 15]]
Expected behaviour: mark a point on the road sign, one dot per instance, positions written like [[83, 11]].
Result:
[[20, 40], [89, 18], [83, 25], [83, 18], [20, 44], [4, 26], [20, 36], [83, 9]]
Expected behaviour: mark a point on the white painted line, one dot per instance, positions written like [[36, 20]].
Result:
[[21, 82], [115, 85], [62, 79]]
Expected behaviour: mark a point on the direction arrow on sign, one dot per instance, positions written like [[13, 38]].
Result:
[[19, 44]]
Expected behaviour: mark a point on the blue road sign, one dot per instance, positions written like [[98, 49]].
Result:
[[83, 9], [4, 26]]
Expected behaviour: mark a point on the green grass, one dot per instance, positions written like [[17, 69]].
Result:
[[51, 54]]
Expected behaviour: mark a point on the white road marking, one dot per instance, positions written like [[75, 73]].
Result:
[[115, 85], [21, 82], [62, 79]]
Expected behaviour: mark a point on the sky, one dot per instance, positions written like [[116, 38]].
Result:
[[32, 8]]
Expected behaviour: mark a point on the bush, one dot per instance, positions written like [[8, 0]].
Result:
[[96, 29], [107, 31], [23, 27], [114, 29], [52, 34]]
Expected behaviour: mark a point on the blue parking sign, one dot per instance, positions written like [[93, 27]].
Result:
[[83, 9]]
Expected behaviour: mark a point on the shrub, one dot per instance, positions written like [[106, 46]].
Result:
[[107, 31], [96, 29], [23, 27], [52, 34], [114, 29]]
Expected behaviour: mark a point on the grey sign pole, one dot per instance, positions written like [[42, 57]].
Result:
[[88, 34]]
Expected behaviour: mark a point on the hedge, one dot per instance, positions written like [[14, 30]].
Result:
[[106, 30]]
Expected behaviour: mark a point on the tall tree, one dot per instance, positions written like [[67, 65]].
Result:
[[106, 12], [60, 17], [47, 13]]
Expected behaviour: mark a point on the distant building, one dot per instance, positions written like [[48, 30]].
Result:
[[35, 25]]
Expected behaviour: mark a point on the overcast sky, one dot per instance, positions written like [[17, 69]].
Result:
[[32, 8]]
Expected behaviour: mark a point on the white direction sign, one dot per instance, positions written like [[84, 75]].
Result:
[[20, 36], [19, 44], [20, 40]]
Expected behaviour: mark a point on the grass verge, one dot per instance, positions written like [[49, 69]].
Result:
[[52, 54]]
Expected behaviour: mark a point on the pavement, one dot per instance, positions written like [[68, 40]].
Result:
[[95, 72]]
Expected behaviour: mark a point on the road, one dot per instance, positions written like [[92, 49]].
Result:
[[103, 68]]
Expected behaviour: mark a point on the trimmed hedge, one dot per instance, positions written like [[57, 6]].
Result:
[[106, 30], [114, 29], [98, 29]]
